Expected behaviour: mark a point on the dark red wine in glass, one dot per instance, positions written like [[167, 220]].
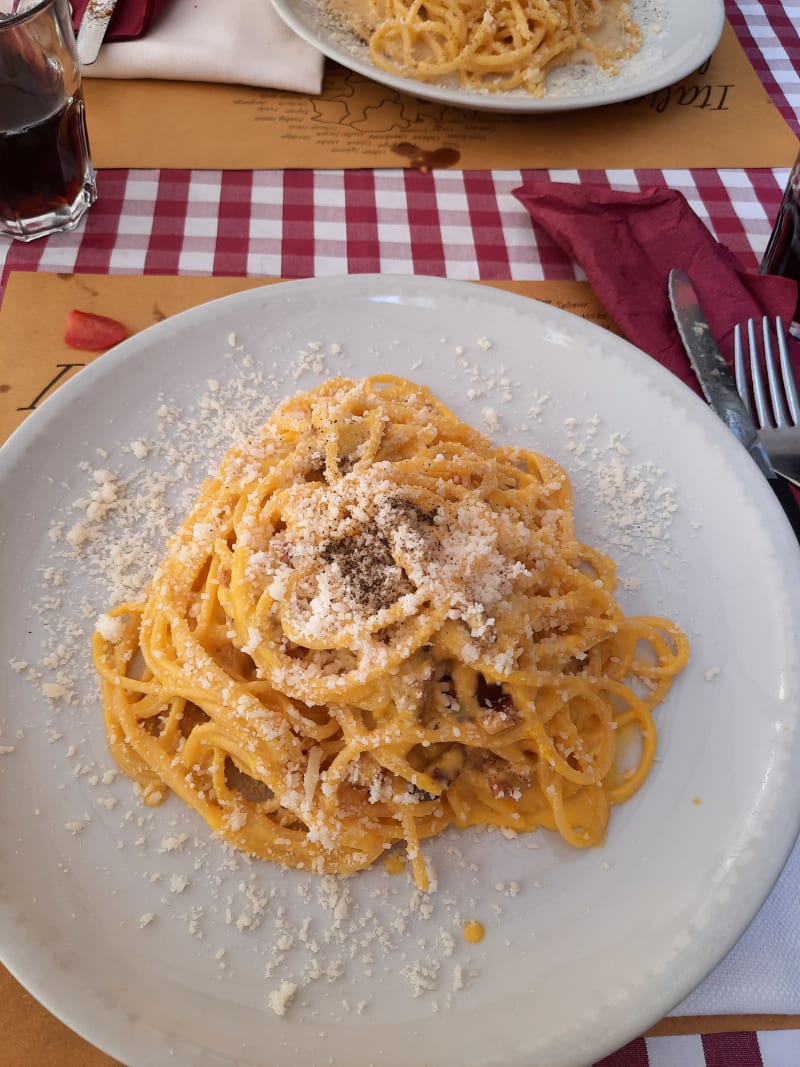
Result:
[[46, 175]]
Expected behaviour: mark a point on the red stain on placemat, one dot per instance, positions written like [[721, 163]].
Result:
[[425, 159]]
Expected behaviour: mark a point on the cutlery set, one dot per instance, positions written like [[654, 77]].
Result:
[[775, 445]]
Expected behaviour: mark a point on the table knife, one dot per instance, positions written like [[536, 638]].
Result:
[[93, 28], [718, 385]]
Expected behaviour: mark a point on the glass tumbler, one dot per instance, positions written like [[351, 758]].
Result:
[[783, 249], [47, 181]]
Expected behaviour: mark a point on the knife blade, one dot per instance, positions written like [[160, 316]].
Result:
[[92, 30], [711, 370]]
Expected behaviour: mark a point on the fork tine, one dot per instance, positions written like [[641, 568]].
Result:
[[742, 382], [775, 387], [787, 373], [759, 392]]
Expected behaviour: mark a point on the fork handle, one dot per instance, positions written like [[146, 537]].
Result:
[[785, 494]]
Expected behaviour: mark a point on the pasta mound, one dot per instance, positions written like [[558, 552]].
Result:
[[373, 625], [497, 45]]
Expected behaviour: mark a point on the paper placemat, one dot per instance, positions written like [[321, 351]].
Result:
[[719, 117], [35, 361]]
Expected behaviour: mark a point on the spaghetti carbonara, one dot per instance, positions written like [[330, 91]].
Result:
[[373, 625], [490, 45]]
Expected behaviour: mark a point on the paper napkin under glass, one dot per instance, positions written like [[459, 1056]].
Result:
[[241, 42], [627, 243]]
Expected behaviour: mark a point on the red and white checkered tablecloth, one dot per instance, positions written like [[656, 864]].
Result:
[[454, 224], [769, 1048], [448, 223]]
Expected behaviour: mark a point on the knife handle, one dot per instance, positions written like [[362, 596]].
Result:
[[785, 494]]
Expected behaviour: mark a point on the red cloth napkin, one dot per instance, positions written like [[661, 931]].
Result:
[[131, 18], [627, 243]]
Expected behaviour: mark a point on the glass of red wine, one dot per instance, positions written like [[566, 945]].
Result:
[[47, 181], [782, 255]]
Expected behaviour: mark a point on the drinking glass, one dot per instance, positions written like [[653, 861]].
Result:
[[47, 180], [783, 249]]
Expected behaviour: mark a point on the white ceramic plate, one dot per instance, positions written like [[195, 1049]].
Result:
[[160, 946], [678, 37]]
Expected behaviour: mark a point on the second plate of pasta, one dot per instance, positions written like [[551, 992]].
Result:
[[527, 56]]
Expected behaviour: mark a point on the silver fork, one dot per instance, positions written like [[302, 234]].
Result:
[[774, 406]]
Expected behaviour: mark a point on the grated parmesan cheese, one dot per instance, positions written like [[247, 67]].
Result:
[[110, 629], [281, 998]]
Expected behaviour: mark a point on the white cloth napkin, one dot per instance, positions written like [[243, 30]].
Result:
[[761, 974], [232, 41]]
